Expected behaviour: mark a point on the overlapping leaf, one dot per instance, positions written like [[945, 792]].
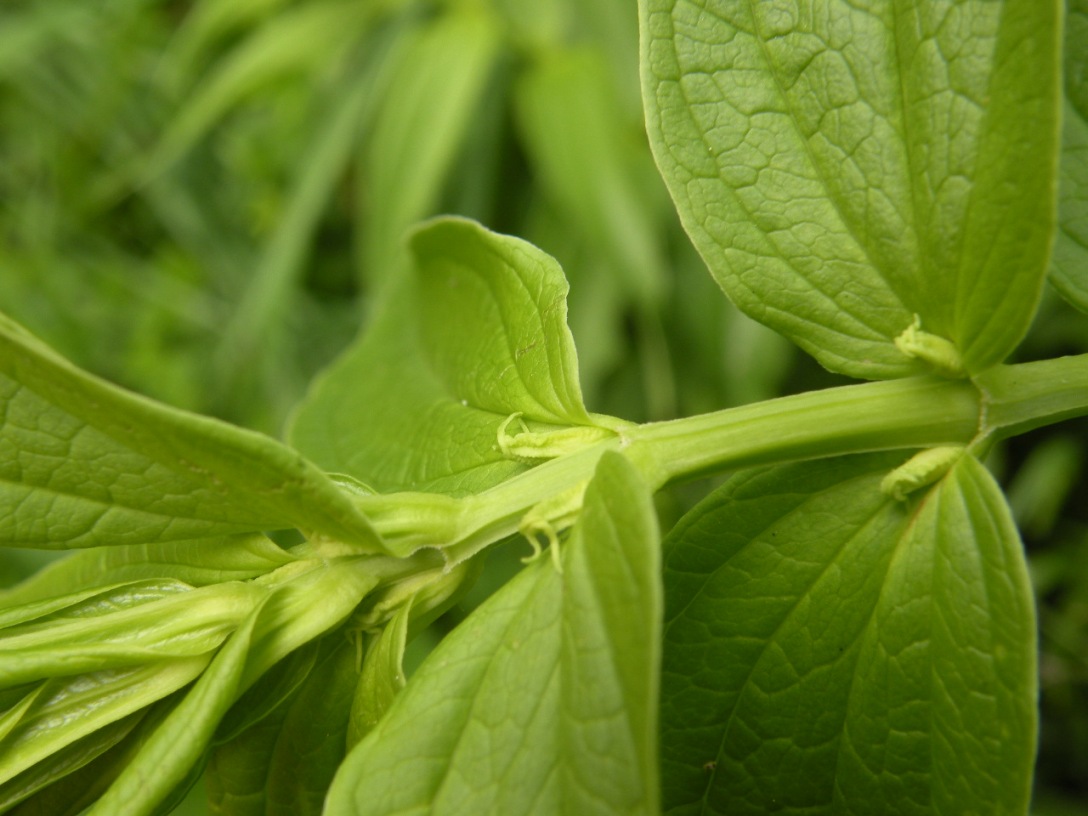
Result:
[[477, 334], [831, 650], [284, 763], [843, 167], [544, 700], [83, 463]]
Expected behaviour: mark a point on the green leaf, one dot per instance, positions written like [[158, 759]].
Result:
[[516, 354], [281, 47], [842, 167], [153, 627], [572, 123], [544, 700], [68, 709], [437, 84], [61, 783], [197, 562], [268, 694], [170, 753], [419, 402], [284, 764], [382, 676], [1069, 272], [83, 463], [831, 650]]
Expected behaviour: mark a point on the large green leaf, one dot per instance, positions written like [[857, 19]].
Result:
[[831, 650], [842, 167], [476, 334], [544, 700], [83, 463], [1070, 269]]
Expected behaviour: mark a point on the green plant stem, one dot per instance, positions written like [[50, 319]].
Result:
[[1022, 397], [915, 412], [910, 413]]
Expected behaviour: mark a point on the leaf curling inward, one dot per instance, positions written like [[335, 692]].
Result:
[[475, 335]]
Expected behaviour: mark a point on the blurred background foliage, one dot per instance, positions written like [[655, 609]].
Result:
[[204, 200]]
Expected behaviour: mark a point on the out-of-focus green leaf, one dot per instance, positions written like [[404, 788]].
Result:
[[844, 168], [282, 46], [544, 700], [572, 123], [333, 139], [831, 650], [208, 21], [436, 86], [83, 463], [421, 401]]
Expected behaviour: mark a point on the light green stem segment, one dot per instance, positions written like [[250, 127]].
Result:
[[916, 412]]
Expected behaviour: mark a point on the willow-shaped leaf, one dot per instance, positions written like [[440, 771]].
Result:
[[545, 699], [197, 562], [68, 709], [84, 463], [829, 650], [843, 167], [435, 89]]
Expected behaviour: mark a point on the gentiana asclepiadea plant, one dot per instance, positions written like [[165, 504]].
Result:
[[844, 626]]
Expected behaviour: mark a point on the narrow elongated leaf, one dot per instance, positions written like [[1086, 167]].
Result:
[[476, 335], [283, 46], [544, 699], [843, 167], [83, 463], [831, 650], [68, 709], [437, 84], [198, 562], [179, 624], [572, 121], [66, 776], [176, 745]]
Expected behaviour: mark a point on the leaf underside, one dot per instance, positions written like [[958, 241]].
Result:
[[831, 650]]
